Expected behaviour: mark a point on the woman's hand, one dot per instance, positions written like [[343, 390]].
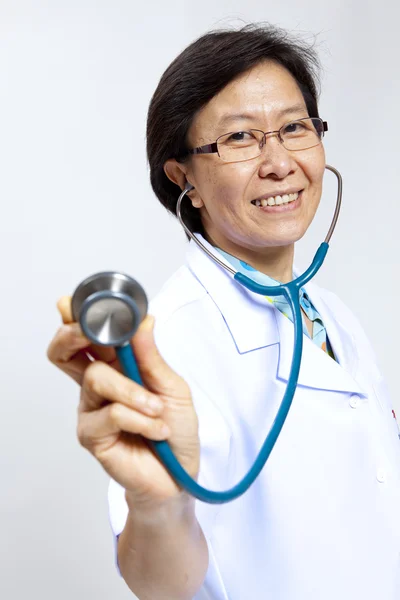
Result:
[[115, 414]]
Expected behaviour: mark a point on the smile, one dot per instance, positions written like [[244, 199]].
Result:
[[277, 200]]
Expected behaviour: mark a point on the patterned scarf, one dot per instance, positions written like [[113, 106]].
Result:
[[319, 336]]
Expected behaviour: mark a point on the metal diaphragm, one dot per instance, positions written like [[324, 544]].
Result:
[[109, 307]]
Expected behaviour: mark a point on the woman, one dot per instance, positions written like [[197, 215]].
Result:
[[235, 116]]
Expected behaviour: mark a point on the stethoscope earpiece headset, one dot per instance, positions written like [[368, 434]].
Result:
[[110, 307]]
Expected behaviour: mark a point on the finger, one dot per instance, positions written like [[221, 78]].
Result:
[[68, 340], [95, 427], [104, 354], [101, 382], [66, 351], [64, 307], [157, 375]]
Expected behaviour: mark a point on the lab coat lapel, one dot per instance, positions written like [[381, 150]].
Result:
[[249, 317], [254, 323], [318, 369]]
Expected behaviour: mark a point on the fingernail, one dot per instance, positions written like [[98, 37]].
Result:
[[148, 323]]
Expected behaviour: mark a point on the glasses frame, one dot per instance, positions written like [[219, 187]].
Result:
[[213, 148]]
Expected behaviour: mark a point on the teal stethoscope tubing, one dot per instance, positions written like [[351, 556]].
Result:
[[163, 450], [291, 291]]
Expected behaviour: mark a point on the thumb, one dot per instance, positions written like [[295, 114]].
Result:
[[157, 375]]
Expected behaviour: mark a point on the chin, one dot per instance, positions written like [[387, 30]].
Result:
[[285, 239]]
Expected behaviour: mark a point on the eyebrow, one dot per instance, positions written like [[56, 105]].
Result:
[[226, 119]]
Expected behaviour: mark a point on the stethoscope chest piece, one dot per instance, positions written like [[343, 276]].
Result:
[[109, 307]]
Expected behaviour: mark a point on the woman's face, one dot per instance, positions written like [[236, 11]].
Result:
[[266, 97]]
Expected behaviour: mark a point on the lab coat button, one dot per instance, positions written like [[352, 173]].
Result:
[[381, 476], [354, 401]]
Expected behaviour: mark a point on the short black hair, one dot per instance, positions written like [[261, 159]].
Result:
[[202, 70]]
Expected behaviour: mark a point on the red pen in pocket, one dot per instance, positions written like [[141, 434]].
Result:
[[395, 418]]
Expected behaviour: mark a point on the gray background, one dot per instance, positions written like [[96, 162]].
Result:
[[76, 78]]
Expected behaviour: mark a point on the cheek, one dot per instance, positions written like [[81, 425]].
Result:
[[223, 188], [314, 169]]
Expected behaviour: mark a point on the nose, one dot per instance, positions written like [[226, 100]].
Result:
[[275, 161]]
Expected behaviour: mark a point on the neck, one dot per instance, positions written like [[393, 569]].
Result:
[[275, 261]]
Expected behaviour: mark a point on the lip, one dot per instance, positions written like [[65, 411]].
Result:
[[278, 193], [281, 208]]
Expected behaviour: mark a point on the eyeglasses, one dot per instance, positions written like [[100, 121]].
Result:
[[239, 146]]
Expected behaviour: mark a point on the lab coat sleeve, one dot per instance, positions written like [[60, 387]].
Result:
[[118, 513]]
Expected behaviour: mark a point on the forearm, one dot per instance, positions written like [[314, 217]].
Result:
[[163, 556]]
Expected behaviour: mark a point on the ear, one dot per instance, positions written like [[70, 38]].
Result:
[[178, 173]]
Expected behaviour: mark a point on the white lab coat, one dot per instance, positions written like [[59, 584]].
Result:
[[322, 521]]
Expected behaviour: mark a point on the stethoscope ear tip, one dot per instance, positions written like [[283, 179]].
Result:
[[189, 187]]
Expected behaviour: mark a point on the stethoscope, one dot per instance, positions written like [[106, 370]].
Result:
[[110, 306]]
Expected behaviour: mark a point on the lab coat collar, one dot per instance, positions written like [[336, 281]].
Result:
[[254, 323]]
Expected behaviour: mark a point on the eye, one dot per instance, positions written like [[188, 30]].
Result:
[[240, 136], [295, 127]]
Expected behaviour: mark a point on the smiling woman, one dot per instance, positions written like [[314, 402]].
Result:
[[225, 190], [234, 124]]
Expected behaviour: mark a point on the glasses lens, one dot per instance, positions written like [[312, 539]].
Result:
[[302, 134], [239, 145]]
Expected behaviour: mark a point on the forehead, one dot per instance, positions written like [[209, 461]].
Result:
[[262, 92]]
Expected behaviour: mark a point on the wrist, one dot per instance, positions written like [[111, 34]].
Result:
[[171, 510]]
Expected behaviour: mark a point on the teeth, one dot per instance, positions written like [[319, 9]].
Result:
[[277, 200]]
